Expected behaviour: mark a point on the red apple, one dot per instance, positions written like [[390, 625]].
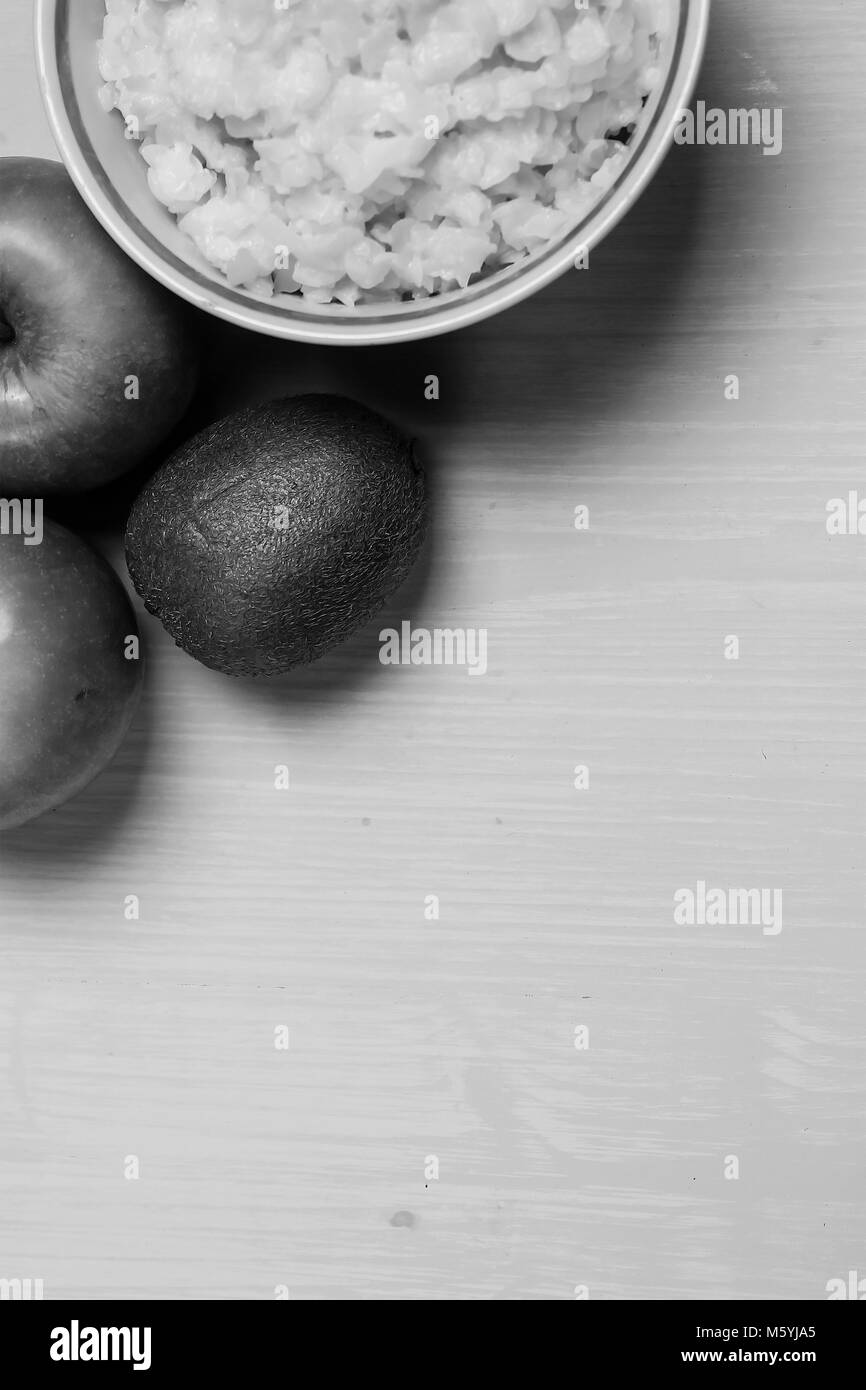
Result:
[[97, 361], [68, 689]]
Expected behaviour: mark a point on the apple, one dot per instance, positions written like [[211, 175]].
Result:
[[98, 362], [70, 673]]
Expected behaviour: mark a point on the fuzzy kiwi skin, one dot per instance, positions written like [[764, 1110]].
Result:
[[277, 532]]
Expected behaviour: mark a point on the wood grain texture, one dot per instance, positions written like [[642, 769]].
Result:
[[454, 1038]]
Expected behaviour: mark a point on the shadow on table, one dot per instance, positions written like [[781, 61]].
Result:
[[589, 324]]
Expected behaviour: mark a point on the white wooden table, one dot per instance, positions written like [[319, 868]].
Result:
[[455, 1039]]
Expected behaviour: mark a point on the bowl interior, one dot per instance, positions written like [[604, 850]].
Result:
[[113, 178]]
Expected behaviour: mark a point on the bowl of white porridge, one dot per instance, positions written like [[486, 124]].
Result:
[[363, 171]]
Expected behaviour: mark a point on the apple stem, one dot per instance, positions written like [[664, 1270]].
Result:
[[7, 332]]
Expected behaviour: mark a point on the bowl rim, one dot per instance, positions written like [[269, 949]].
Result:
[[404, 323]]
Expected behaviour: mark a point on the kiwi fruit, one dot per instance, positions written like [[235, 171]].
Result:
[[274, 534]]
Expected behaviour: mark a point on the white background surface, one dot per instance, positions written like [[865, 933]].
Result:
[[454, 1038]]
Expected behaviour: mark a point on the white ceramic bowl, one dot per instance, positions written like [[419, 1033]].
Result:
[[112, 178]]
